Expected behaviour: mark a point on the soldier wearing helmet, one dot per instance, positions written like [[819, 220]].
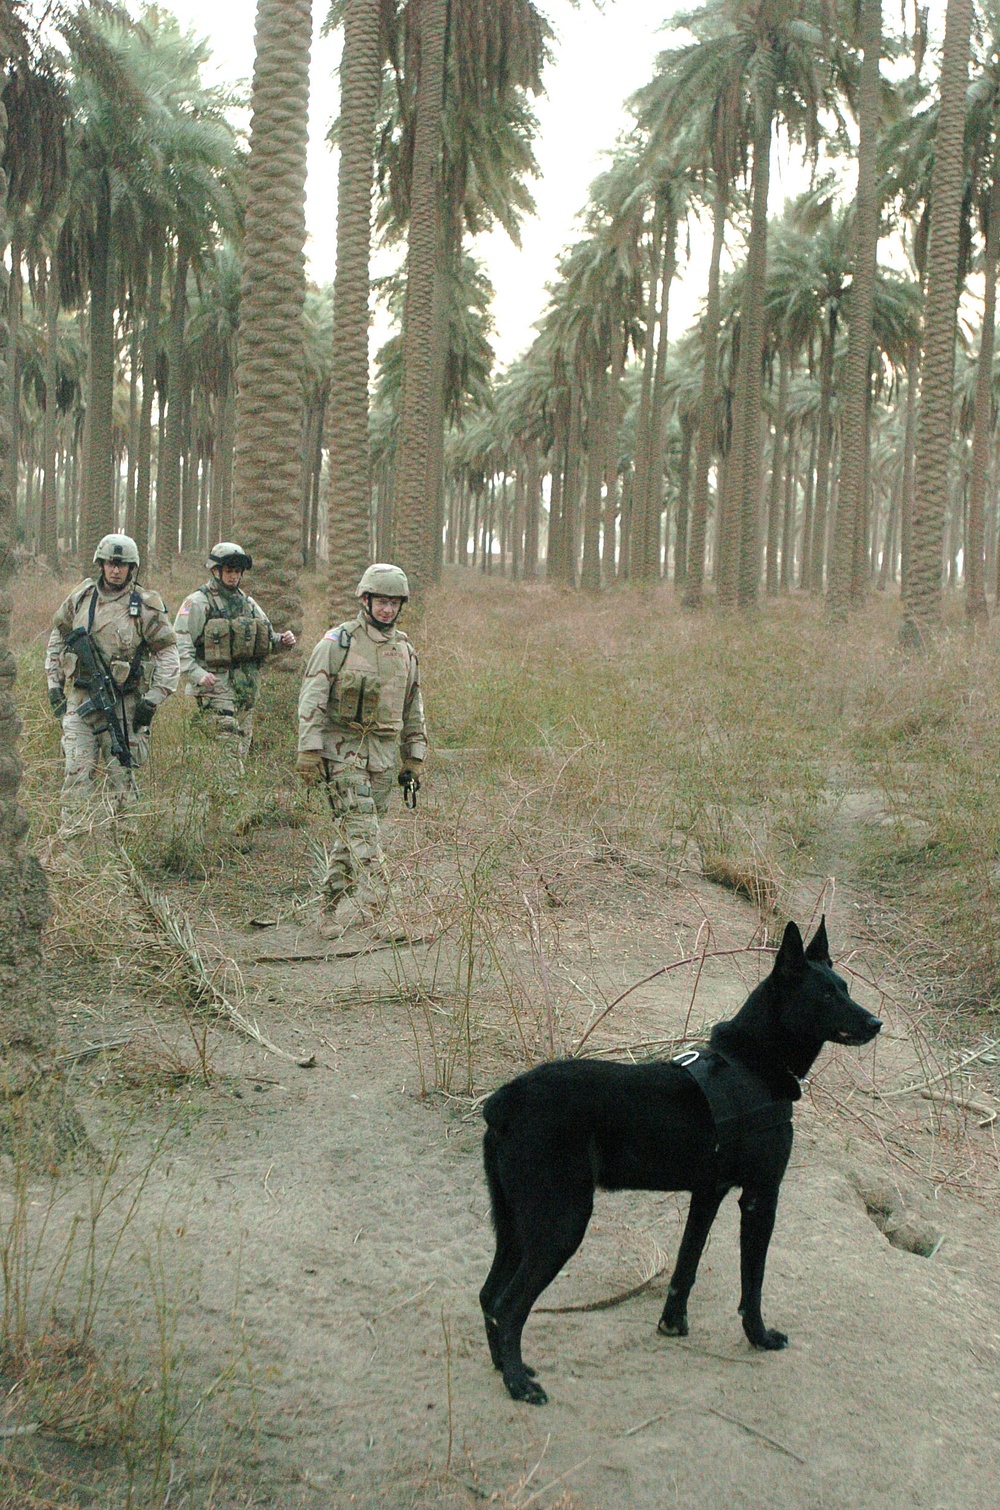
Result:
[[130, 643], [360, 710], [224, 638]]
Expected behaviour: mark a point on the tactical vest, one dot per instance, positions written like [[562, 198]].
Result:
[[125, 668], [232, 634], [369, 691]]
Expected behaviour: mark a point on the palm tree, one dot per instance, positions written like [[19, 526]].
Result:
[[33, 112], [922, 603], [269, 405], [350, 480], [462, 154], [847, 578]]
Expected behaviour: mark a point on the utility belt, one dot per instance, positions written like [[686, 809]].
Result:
[[233, 642]]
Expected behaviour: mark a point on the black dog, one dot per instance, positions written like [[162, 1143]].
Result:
[[705, 1123]]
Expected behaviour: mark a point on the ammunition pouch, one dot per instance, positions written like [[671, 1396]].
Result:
[[233, 642], [217, 643], [357, 699]]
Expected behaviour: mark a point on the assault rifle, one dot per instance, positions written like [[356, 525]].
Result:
[[92, 673]]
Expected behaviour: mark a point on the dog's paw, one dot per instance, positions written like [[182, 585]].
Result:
[[672, 1326], [522, 1386], [770, 1341]]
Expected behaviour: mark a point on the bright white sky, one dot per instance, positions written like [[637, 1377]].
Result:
[[601, 56]]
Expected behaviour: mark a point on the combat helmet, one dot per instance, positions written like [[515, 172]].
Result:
[[384, 581], [117, 549], [228, 553]]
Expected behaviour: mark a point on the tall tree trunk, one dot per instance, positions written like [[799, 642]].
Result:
[[847, 582], [532, 510], [975, 591], [12, 396], [817, 552], [97, 504], [774, 498], [657, 408], [269, 399], [50, 440], [590, 577], [922, 605], [787, 577], [150, 342], [743, 469], [639, 535], [420, 307], [683, 502], [706, 411], [38, 1127], [350, 477], [168, 467]]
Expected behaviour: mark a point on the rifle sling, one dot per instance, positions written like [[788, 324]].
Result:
[[119, 691]]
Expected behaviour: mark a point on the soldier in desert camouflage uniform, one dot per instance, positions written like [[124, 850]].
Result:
[[360, 709], [224, 637], [137, 650]]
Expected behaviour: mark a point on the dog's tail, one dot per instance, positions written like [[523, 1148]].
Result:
[[499, 1205]]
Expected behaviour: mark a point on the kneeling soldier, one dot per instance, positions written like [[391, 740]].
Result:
[[360, 703], [111, 661], [224, 638]]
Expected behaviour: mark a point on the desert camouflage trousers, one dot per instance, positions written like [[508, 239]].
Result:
[[355, 862], [96, 785]]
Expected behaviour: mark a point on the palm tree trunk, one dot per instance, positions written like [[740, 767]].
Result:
[[37, 1124], [706, 411], [150, 342], [817, 552], [269, 400], [657, 408], [350, 477], [12, 397], [420, 304], [744, 463], [774, 498], [922, 605], [847, 584], [532, 510], [808, 511], [975, 600], [168, 468], [641, 489], [49, 539], [683, 502], [590, 576], [97, 504], [787, 577]]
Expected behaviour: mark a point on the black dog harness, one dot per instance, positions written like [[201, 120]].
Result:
[[741, 1103]]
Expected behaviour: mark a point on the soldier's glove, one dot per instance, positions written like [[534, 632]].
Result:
[[310, 766], [143, 716], [410, 782], [57, 697]]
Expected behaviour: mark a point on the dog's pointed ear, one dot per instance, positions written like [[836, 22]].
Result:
[[819, 949], [791, 956]]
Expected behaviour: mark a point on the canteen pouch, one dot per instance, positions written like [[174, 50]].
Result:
[[350, 696], [218, 643]]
